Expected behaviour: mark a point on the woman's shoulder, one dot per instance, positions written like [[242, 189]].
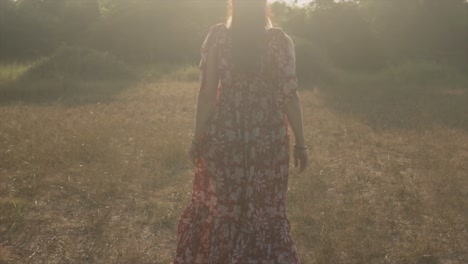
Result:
[[218, 27], [214, 36], [217, 32], [276, 31], [278, 34]]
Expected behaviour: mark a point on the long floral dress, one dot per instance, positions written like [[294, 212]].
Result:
[[237, 213]]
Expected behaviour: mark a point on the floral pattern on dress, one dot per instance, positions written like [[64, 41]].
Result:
[[237, 213]]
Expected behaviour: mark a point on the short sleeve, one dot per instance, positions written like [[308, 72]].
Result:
[[208, 44], [285, 69]]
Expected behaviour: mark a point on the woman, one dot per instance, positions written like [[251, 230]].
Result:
[[246, 100]]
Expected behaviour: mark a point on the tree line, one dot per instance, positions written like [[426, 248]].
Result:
[[355, 36]]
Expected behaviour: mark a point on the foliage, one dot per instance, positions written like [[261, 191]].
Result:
[[71, 74], [412, 73], [156, 31], [313, 63], [30, 28], [75, 63], [364, 37]]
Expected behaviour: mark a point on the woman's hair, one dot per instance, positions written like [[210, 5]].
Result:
[[248, 21]]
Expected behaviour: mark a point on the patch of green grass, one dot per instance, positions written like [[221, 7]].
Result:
[[71, 74], [401, 106], [185, 73], [170, 72], [13, 71], [20, 206], [77, 63], [421, 74], [66, 92]]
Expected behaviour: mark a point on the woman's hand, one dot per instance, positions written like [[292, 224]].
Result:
[[301, 157]]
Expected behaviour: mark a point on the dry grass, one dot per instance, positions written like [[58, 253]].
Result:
[[380, 196], [106, 182]]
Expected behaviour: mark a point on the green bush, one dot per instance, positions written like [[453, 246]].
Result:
[[189, 73], [71, 75], [421, 74], [313, 65], [79, 64]]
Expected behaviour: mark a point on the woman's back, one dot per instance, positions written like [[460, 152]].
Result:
[[249, 104], [238, 213]]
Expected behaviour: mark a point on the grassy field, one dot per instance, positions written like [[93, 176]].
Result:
[[104, 182]]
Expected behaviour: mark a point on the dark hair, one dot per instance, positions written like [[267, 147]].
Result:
[[248, 21]]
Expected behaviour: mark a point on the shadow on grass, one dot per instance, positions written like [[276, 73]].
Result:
[[402, 107], [68, 93]]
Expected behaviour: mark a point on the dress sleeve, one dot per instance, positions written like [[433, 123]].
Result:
[[209, 44], [285, 69]]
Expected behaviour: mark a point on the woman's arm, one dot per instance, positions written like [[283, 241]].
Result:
[[293, 111], [206, 102], [207, 96]]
